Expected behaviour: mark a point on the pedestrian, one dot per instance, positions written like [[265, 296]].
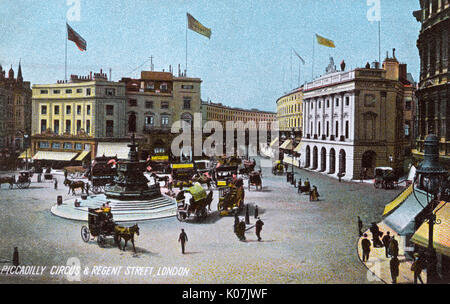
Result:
[[259, 224], [386, 241], [393, 247], [394, 265], [56, 183], [236, 222], [65, 173], [183, 239], [299, 185], [365, 244], [360, 226], [39, 177], [15, 260], [241, 230], [417, 267], [87, 186], [256, 211], [247, 216]]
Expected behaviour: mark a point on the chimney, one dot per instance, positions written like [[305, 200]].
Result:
[[179, 70], [90, 75]]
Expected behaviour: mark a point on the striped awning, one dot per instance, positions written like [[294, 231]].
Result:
[[274, 142], [26, 153], [82, 155], [398, 201], [52, 155], [111, 149], [287, 145], [298, 148], [441, 232]]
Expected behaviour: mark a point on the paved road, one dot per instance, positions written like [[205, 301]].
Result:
[[303, 242]]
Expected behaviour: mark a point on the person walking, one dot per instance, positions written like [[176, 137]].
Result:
[[258, 227], [241, 230], [360, 226], [183, 239], [56, 183], [394, 265], [417, 267], [299, 185], [393, 247], [256, 212], [386, 241], [365, 244], [247, 216], [15, 260]]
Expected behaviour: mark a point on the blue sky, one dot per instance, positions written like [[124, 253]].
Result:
[[247, 61]]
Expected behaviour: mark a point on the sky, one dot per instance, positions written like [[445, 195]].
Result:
[[247, 63]]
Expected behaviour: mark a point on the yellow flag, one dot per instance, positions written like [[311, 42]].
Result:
[[196, 26], [324, 41]]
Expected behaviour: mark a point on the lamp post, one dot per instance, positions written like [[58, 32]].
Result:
[[25, 146], [292, 155], [431, 177]]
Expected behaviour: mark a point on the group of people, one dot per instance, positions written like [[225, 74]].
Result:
[[313, 193], [240, 225]]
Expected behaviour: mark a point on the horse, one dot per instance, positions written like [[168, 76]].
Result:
[[11, 180], [74, 185], [202, 179], [209, 200], [127, 233]]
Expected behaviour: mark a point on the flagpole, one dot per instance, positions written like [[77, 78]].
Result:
[[312, 71], [379, 41], [186, 43], [65, 62]]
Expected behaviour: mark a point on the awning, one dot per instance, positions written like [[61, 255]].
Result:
[[111, 149], [287, 145], [182, 166], [397, 201], [274, 142], [298, 148], [82, 155], [402, 220], [26, 154], [441, 232], [52, 155], [160, 158]]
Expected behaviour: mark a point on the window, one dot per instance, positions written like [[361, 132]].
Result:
[[68, 110], [78, 110], [150, 85], [56, 126], [68, 126], [56, 110], [88, 91], [163, 86], [78, 125], [337, 102], [369, 100], [44, 144], [44, 110], [347, 129], [186, 103], [87, 147], [78, 146], [164, 104], [408, 105], [187, 86], [149, 104], [347, 101], [79, 91], [43, 125], [110, 92], [336, 130], [68, 146], [110, 128], [88, 126], [56, 91], [328, 103], [109, 110], [88, 110], [69, 91], [132, 103], [44, 91], [56, 145], [164, 120], [149, 120], [320, 104]]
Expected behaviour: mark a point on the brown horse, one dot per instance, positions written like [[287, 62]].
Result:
[[75, 185], [11, 180], [127, 233]]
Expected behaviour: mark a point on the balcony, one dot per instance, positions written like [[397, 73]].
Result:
[[148, 129]]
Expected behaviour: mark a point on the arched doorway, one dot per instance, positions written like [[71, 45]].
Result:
[[332, 161], [315, 158], [132, 122], [308, 157], [368, 163], [323, 159], [342, 165]]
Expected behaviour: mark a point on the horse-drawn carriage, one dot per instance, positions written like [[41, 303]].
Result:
[[385, 178], [199, 204], [231, 198], [24, 179], [102, 173], [249, 167], [254, 179], [278, 168], [159, 164], [202, 166], [223, 174], [101, 225], [182, 175]]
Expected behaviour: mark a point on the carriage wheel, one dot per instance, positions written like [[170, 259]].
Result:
[[85, 234], [204, 213], [101, 240], [179, 216]]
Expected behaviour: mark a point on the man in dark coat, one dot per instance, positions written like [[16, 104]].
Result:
[[247, 215], [241, 230], [417, 267], [393, 247], [236, 222], [386, 241], [365, 244], [256, 211], [15, 260], [258, 227], [183, 239], [299, 185], [360, 226], [394, 265], [56, 184]]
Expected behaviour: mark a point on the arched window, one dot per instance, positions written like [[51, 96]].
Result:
[[187, 117]]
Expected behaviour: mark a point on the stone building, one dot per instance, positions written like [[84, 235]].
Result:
[[355, 119], [79, 120], [289, 112], [434, 83]]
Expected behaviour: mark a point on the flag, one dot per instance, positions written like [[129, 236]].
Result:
[[324, 41], [75, 37], [196, 26], [299, 57]]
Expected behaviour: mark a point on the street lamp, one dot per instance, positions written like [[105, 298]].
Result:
[[292, 155], [25, 139], [431, 176]]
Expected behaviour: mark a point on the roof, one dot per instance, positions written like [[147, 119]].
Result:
[[150, 75]]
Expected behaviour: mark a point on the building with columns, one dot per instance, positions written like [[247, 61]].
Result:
[[355, 119], [434, 83]]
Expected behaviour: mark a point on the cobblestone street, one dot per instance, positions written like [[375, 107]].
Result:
[[303, 242]]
